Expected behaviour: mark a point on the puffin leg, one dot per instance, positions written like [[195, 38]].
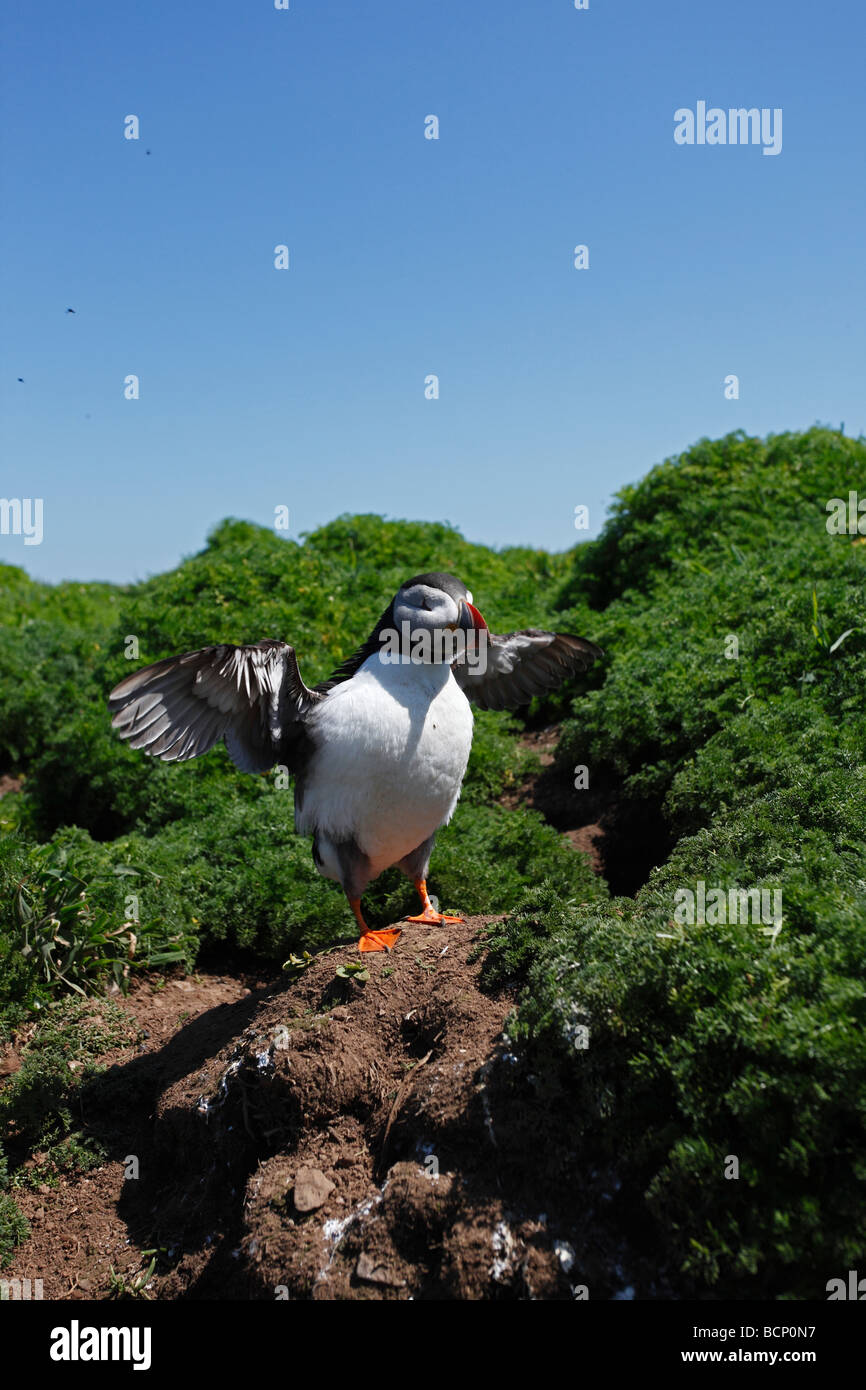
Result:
[[429, 913], [373, 940]]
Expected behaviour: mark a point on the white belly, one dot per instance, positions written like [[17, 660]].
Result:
[[393, 746]]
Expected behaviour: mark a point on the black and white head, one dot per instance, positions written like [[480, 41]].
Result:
[[435, 603], [495, 671]]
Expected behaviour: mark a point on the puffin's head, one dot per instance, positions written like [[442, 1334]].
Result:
[[435, 603]]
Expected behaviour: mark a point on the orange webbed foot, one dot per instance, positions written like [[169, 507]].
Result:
[[380, 940], [373, 940], [429, 914], [434, 918]]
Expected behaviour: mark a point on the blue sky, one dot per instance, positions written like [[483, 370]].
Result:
[[410, 257]]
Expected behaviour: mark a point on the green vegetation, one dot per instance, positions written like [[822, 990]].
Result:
[[14, 1227], [38, 1103], [40, 1111], [713, 1040], [726, 727], [123, 1287]]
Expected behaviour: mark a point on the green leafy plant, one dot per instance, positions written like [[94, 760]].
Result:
[[296, 965], [74, 941], [121, 1286], [354, 971]]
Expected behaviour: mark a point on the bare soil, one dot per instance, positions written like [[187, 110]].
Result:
[[623, 837], [582, 817], [321, 1138]]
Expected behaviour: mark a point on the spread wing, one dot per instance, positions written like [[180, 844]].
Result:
[[253, 697], [518, 665]]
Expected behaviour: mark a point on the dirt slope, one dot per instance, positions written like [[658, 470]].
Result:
[[323, 1138]]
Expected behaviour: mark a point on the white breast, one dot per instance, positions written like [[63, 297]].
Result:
[[393, 743]]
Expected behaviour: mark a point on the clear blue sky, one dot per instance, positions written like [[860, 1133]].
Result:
[[410, 256]]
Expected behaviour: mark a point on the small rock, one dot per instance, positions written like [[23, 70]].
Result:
[[9, 1064], [311, 1189], [373, 1272]]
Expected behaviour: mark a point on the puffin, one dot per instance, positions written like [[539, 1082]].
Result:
[[378, 751]]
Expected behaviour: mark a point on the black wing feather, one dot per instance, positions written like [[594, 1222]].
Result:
[[252, 697], [519, 665]]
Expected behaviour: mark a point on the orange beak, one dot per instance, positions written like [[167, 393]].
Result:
[[470, 617]]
